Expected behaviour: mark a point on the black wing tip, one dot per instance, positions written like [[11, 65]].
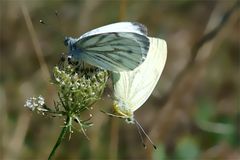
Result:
[[142, 28]]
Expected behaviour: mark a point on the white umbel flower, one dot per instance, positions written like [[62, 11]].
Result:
[[35, 103], [41, 100]]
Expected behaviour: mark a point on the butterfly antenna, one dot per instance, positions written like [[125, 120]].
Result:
[[57, 15], [51, 29], [59, 20], [41, 21], [47, 25], [139, 132], [140, 127]]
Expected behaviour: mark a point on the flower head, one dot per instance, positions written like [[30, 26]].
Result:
[[35, 103], [79, 88]]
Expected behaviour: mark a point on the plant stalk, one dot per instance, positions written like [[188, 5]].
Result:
[[61, 136]]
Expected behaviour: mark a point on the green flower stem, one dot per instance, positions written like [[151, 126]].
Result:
[[61, 136]]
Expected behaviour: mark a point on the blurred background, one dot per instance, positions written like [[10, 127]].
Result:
[[193, 112]]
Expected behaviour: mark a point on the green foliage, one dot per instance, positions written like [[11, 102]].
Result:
[[187, 148]]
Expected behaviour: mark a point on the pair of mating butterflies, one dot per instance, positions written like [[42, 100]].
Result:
[[136, 60]]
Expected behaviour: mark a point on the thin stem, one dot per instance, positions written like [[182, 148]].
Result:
[[194, 52], [36, 43], [122, 10], [171, 101], [61, 136]]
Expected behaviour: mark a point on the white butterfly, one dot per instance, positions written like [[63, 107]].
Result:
[[116, 47], [132, 88]]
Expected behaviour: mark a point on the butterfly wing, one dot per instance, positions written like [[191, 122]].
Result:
[[134, 87], [132, 27], [116, 51], [115, 47]]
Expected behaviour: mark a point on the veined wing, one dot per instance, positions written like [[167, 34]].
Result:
[[134, 87], [133, 27], [117, 51]]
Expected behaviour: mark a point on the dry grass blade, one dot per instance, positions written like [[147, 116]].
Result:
[[36, 44]]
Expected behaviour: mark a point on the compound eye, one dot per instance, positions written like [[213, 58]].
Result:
[[66, 40], [69, 58]]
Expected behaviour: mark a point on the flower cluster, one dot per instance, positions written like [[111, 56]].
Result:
[[78, 88], [35, 103]]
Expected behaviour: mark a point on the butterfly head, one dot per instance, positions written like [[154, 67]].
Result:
[[66, 41], [73, 54], [122, 109], [69, 42]]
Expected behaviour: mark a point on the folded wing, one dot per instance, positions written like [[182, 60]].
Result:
[[134, 87]]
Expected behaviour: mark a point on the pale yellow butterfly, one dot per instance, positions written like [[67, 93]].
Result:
[[133, 88]]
